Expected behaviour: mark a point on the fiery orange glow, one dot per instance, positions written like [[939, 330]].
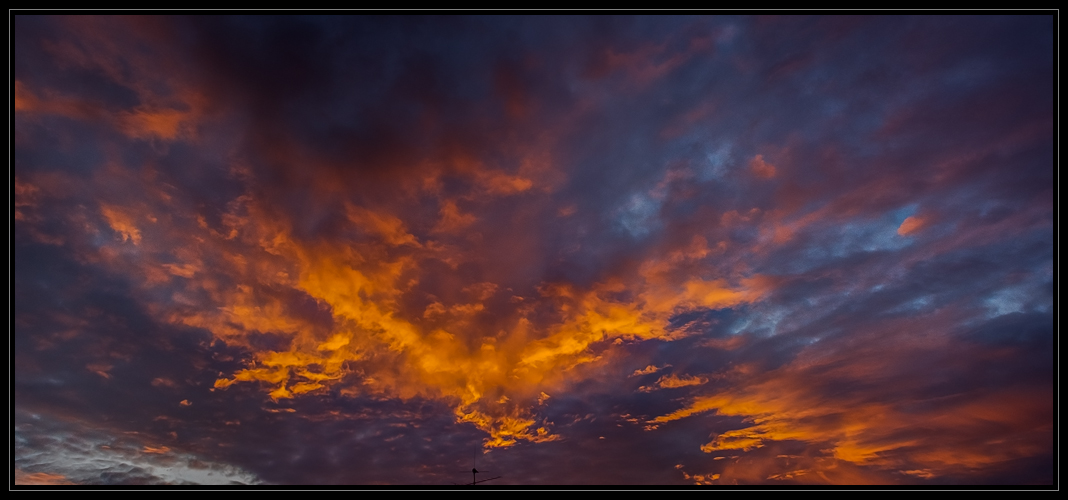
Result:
[[379, 345]]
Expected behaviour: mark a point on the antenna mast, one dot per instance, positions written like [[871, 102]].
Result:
[[475, 471]]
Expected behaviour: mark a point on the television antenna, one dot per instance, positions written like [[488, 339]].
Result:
[[475, 471]]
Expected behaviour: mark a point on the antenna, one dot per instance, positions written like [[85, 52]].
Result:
[[475, 471]]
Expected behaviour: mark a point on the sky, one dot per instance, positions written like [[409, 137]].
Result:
[[606, 250]]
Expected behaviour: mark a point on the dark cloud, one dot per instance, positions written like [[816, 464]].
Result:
[[63, 451]]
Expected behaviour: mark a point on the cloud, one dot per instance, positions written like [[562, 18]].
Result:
[[121, 223], [52, 451], [672, 381], [336, 250], [762, 168], [645, 371], [910, 225], [40, 479], [830, 397]]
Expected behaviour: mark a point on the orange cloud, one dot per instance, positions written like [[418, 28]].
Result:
[[391, 229], [761, 168], [169, 108], [910, 225], [377, 331], [40, 478], [100, 369], [705, 479], [673, 381], [728, 343], [24, 99], [164, 382], [646, 64], [163, 123], [791, 404], [26, 200], [452, 220], [499, 183], [121, 222], [645, 371], [183, 270], [522, 362], [27, 101]]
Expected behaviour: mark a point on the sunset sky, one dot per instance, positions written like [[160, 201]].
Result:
[[634, 250]]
